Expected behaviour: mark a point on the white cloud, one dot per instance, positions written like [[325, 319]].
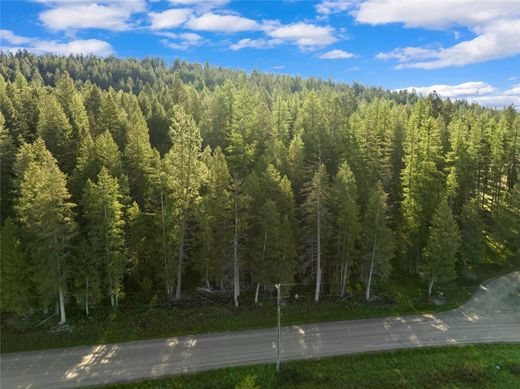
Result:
[[435, 14], [328, 7], [497, 101], [255, 43], [336, 54], [222, 23], [39, 46], [169, 19], [200, 4], [174, 45], [270, 25], [514, 91], [80, 46], [77, 15], [498, 40], [190, 37], [496, 25], [13, 39], [278, 67], [454, 91], [171, 35], [306, 36], [475, 91], [406, 54], [183, 40]]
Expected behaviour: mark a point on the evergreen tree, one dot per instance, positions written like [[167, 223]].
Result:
[[87, 279], [421, 180], [54, 128], [347, 223], [296, 162], [212, 248], [112, 118], [507, 223], [103, 213], [317, 222], [93, 97], [440, 253], [94, 155], [498, 160], [74, 108], [313, 135], [165, 216], [266, 254], [285, 263], [241, 208], [139, 158], [25, 100], [228, 214], [281, 119], [378, 239], [271, 250], [7, 108], [184, 160], [45, 213], [512, 124], [7, 155], [472, 228], [462, 164], [15, 274]]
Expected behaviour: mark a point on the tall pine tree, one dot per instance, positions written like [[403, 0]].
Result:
[[45, 213], [440, 253]]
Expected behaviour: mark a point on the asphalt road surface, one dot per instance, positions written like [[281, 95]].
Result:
[[491, 316]]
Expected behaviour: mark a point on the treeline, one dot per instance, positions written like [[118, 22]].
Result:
[[132, 179]]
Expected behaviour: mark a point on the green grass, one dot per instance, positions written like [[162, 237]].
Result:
[[402, 296], [444, 367]]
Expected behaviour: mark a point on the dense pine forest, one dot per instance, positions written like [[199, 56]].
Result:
[[137, 181]]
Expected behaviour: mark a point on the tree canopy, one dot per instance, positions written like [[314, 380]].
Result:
[[188, 175]]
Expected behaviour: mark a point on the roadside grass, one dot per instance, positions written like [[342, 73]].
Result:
[[400, 296], [479, 366]]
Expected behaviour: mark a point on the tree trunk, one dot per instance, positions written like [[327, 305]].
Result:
[[430, 287], [178, 289], [207, 280], [344, 278], [86, 297], [369, 283], [318, 248], [111, 292], [236, 274], [344, 267], [511, 179], [264, 248], [63, 319], [257, 291], [165, 260]]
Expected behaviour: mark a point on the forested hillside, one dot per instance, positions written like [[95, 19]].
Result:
[[136, 181]]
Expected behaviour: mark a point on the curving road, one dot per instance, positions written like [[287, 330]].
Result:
[[491, 316]]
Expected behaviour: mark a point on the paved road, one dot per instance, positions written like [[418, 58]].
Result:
[[492, 315]]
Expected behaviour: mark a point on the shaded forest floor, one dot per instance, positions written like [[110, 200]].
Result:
[[482, 366], [405, 295]]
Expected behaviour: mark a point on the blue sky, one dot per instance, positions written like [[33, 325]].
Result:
[[461, 48]]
